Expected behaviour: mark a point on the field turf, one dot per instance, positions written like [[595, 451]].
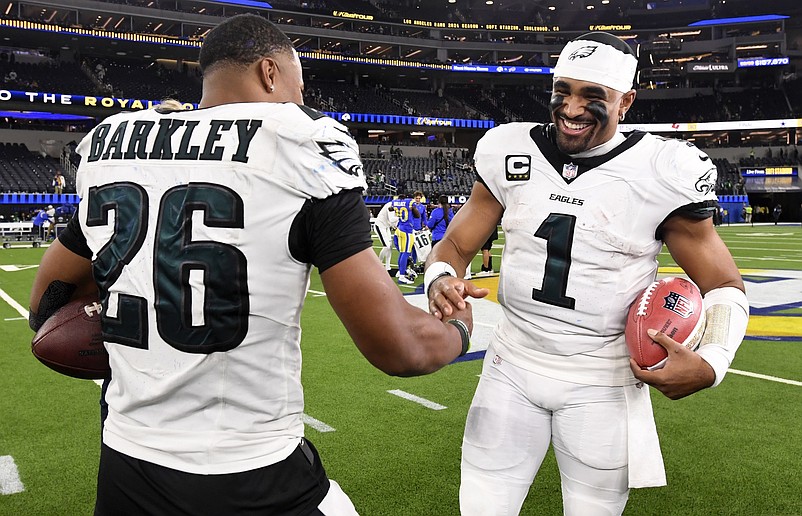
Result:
[[732, 450]]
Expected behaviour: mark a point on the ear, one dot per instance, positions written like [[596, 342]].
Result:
[[268, 70], [626, 103]]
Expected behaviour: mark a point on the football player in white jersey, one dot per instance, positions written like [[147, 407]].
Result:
[[205, 400], [585, 211], [384, 227]]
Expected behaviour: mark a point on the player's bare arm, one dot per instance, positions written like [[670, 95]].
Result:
[[466, 233], [394, 336], [697, 248], [62, 276]]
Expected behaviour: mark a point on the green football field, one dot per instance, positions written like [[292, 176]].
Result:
[[394, 443]]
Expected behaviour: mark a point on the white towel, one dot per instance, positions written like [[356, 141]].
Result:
[[646, 467]]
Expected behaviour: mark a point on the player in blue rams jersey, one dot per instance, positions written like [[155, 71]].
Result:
[[406, 211], [418, 224]]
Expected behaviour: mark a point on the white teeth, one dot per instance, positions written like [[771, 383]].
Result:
[[574, 126]]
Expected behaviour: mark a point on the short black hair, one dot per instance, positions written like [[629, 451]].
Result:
[[242, 40]]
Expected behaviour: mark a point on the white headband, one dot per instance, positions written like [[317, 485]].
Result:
[[593, 61]]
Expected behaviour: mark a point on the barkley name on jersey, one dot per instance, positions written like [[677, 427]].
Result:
[[583, 235]]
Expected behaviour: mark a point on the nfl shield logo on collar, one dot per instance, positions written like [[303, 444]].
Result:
[[570, 170]]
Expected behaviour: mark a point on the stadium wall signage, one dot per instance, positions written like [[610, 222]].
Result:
[[769, 171], [41, 101], [45, 99], [368, 118], [352, 16], [474, 26], [710, 67], [751, 62]]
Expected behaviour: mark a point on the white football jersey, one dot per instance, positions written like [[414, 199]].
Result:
[[386, 217], [423, 244], [188, 216], [582, 239]]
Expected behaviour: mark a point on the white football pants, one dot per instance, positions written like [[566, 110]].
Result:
[[385, 235], [514, 416], [336, 502]]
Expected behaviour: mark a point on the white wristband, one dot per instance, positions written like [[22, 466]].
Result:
[[434, 271], [727, 312]]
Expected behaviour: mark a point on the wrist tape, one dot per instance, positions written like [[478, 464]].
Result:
[[727, 312], [434, 271]]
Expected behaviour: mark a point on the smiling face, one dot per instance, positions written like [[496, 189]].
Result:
[[586, 114]]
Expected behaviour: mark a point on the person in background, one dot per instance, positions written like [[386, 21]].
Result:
[[418, 223], [440, 219], [39, 220], [384, 227], [777, 212], [58, 183], [51, 221], [405, 237], [586, 211], [205, 401], [487, 258]]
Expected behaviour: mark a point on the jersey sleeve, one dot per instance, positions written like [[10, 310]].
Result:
[[504, 151], [326, 232], [322, 153], [487, 163], [690, 175], [73, 238]]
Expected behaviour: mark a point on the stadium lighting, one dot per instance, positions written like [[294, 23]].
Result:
[[552, 8], [489, 2], [590, 7], [452, 1]]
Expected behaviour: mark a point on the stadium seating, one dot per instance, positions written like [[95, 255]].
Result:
[[433, 176], [25, 171]]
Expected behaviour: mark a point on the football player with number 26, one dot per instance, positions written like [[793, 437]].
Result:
[[205, 399]]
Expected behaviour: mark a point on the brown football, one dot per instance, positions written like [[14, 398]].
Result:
[[71, 343], [673, 306]]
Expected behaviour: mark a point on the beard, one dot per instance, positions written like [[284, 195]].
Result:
[[574, 144]]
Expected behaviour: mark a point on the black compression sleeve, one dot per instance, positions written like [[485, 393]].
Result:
[[327, 231], [57, 294], [698, 210], [73, 238]]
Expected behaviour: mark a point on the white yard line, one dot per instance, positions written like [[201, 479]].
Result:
[[320, 426], [16, 306], [417, 399], [766, 377], [10, 482]]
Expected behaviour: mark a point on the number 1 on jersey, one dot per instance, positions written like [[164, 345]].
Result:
[[558, 232]]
